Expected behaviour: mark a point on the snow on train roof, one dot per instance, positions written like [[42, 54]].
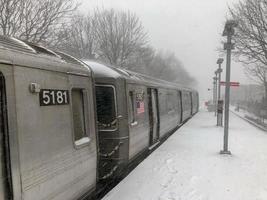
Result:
[[101, 70], [104, 71], [25, 53]]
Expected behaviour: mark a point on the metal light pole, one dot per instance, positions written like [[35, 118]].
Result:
[[229, 32], [214, 88], [220, 107], [219, 62], [215, 93]]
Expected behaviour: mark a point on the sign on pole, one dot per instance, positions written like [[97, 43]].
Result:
[[232, 84]]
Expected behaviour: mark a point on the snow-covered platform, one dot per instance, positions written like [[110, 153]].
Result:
[[188, 165]]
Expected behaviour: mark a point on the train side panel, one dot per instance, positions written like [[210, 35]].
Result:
[[195, 100], [56, 161], [170, 110], [186, 104], [138, 119]]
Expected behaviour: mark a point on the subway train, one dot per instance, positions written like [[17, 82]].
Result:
[[67, 125], [134, 114]]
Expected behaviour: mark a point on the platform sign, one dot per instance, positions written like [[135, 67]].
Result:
[[232, 84]]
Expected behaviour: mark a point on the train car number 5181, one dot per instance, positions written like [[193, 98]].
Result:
[[50, 97]]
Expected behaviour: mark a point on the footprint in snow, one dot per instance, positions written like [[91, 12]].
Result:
[[167, 182], [168, 161], [193, 194], [172, 170], [169, 196]]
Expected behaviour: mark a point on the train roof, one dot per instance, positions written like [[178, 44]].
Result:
[[104, 71], [27, 54]]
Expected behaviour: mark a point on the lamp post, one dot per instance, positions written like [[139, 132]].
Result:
[[219, 62], [214, 88], [229, 32], [219, 103], [215, 92]]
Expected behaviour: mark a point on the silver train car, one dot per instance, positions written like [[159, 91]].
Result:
[[47, 124], [50, 103], [135, 113]]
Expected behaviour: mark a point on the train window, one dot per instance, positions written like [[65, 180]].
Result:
[[170, 102], [106, 107], [186, 100], [131, 106], [163, 103], [179, 102], [78, 112]]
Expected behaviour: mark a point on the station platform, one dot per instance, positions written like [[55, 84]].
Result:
[[188, 165]]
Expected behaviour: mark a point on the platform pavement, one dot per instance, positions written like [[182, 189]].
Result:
[[188, 165]]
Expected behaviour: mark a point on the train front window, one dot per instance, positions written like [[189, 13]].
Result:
[[106, 107]]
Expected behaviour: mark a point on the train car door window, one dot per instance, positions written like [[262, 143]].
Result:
[[186, 102], [79, 113], [106, 108], [153, 116], [131, 106], [191, 102], [170, 104], [179, 107]]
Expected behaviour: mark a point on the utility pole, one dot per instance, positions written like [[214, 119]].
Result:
[[220, 102], [229, 32]]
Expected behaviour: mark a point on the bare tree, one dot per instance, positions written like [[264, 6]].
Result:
[[142, 59], [11, 14], [161, 65], [33, 20], [167, 66], [251, 37], [78, 38], [120, 36]]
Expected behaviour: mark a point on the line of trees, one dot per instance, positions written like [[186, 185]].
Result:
[[251, 38], [114, 37], [34, 20]]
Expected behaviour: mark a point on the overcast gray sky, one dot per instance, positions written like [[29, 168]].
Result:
[[190, 28]]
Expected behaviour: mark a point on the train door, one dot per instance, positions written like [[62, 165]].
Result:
[[153, 116], [108, 141], [5, 174]]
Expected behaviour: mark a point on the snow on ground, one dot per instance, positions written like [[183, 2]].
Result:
[[248, 116], [242, 112], [188, 165]]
